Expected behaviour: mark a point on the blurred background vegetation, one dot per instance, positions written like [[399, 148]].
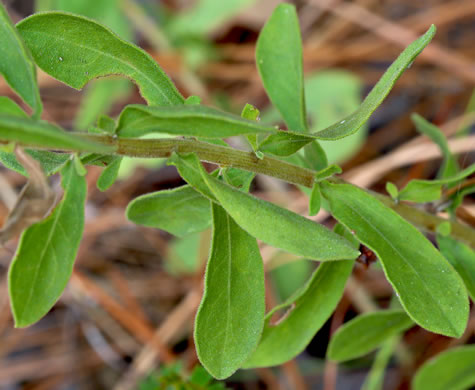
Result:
[[126, 318]]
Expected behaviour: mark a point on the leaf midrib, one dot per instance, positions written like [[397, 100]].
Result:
[[47, 243], [228, 292], [403, 259]]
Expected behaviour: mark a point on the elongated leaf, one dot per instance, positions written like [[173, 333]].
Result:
[[109, 174], [45, 256], [365, 333], [462, 257], [180, 211], [428, 287], [16, 65], [289, 141], [430, 190], [307, 312], [450, 166], [230, 319], [279, 61], [315, 200], [44, 135], [353, 122], [9, 107], [272, 224], [57, 42], [453, 369], [191, 120]]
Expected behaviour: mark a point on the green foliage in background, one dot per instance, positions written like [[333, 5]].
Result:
[[232, 330]]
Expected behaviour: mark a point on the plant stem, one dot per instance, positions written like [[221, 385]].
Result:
[[229, 157]]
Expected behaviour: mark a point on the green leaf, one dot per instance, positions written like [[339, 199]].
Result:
[[106, 123], [392, 190], [420, 191], [45, 256], [189, 120], [180, 211], [17, 66], [9, 107], [430, 190], [375, 378], [330, 95], [108, 12], [189, 168], [453, 369], [353, 122], [250, 112], [462, 257], [449, 166], [314, 156], [315, 200], [109, 174], [264, 220], [327, 172], [428, 287], [279, 61], [283, 143], [365, 333], [57, 43], [80, 168], [100, 95], [306, 313], [277, 226], [50, 162], [45, 135], [230, 318], [238, 178]]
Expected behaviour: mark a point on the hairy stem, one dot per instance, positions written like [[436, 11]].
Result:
[[229, 157]]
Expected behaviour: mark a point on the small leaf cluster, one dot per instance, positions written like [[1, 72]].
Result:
[[232, 328]]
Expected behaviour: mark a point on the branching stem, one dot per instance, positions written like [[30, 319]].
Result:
[[229, 157]]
